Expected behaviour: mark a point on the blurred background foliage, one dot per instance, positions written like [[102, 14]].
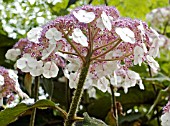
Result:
[[17, 17]]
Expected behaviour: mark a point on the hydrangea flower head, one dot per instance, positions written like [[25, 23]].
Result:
[[8, 85], [93, 35], [159, 17]]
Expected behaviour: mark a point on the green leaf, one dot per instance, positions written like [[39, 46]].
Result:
[[130, 117], [90, 121], [103, 104], [134, 97], [11, 114]]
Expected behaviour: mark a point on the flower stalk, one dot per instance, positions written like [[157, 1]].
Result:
[[37, 82], [155, 102], [114, 104], [113, 59], [74, 47], [77, 96]]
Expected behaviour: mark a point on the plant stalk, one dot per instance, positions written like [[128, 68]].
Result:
[[114, 104], [156, 94], [32, 120], [77, 96]]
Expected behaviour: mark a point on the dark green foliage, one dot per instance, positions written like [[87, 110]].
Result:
[[11, 114]]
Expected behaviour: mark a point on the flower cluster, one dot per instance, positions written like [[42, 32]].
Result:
[[163, 42], [159, 18], [28, 54], [165, 118], [9, 84], [94, 35]]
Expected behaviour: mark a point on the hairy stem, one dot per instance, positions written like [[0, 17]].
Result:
[[36, 86], [77, 96]]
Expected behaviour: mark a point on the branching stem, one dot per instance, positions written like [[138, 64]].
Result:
[[75, 49], [68, 53], [113, 59], [94, 58], [105, 45]]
